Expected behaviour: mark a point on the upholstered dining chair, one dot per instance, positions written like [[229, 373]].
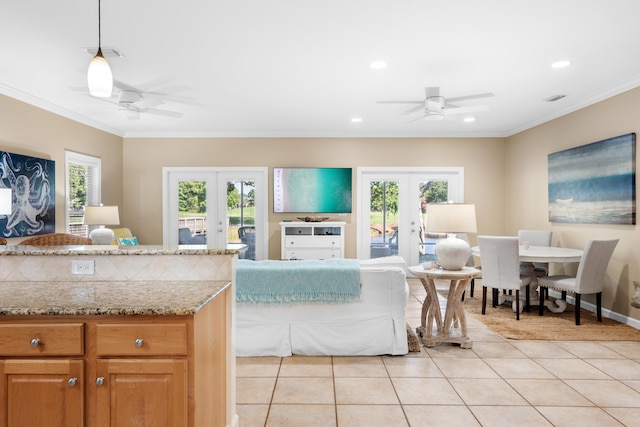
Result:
[[501, 269], [536, 238], [470, 263], [589, 278], [56, 239]]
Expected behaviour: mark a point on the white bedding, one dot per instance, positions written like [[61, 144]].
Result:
[[373, 325]]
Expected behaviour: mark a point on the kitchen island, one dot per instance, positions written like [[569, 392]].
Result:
[[107, 335]]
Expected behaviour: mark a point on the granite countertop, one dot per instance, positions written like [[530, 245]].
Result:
[[107, 298], [121, 250]]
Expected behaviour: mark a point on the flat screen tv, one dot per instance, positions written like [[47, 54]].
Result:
[[312, 190]]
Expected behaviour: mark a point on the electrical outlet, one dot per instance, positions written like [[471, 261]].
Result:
[[84, 266]]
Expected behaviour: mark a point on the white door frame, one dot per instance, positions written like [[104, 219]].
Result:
[[407, 177], [214, 176]]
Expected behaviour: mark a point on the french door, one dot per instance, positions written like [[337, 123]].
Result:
[[392, 209], [215, 207]]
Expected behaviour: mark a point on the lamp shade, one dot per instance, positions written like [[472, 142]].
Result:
[[5, 201], [452, 253], [451, 218], [99, 76], [101, 215]]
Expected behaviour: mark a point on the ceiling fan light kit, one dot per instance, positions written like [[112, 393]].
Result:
[[99, 76], [433, 115]]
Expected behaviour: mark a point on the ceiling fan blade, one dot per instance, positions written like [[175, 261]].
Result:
[[469, 97], [400, 102], [166, 113], [464, 110], [420, 117], [108, 100], [147, 103], [414, 109]]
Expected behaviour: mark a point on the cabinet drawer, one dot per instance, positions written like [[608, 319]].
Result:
[[42, 339], [313, 242], [312, 254], [133, 340], [293, 231]]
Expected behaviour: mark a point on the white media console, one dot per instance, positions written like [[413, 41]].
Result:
[[312, 240]]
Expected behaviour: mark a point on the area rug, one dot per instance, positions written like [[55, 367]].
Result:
[[550, 326], [412, 340]]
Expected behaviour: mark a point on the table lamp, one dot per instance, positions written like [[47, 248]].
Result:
[[5, 201], [452, 253], [101, 216]]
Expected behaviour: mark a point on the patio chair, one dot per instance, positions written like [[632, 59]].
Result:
[[247, 235]]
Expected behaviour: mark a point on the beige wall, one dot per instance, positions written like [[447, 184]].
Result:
[[505, 177], [526, 189], [31, 131], [482, 159]]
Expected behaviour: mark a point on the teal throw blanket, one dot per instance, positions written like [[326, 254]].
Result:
[[329, 281]]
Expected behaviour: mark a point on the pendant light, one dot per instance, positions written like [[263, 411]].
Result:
[[99, 77]]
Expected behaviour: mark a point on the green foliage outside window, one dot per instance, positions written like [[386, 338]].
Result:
[[77, 186]]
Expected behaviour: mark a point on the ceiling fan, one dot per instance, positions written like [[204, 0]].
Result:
[[131, 103], [436, 107]]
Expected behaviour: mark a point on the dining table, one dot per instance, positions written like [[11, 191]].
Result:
[[541, 254]]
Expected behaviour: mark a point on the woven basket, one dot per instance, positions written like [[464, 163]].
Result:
[[56, 239]]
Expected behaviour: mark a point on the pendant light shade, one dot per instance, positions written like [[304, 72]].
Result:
[[99, 77]]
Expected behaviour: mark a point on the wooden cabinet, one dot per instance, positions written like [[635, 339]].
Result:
[[153, 392], [312, 240], [153, 371], [38, 388], [42, 392]]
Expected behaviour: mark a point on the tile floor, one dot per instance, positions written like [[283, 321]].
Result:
[[498, 382]]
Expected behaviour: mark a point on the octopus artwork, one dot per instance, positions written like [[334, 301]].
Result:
[[31, 181]]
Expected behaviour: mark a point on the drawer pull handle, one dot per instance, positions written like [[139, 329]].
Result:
[[138, 342], [99, 381], [35, 342], [72, 382]]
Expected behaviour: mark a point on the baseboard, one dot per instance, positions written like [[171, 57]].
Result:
[[635, 323], [235, 422]]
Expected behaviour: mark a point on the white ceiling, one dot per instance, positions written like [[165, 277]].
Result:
[[294, 68]]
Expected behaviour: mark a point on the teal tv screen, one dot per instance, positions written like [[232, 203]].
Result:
[[312, 190]]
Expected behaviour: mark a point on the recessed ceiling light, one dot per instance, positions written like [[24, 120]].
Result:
[[561, 64], [356, 120], [469, 119], [378, 65]]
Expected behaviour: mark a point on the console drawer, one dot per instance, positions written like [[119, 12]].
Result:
[[307, 253], [134, 340], [42, 339], [326, 242]]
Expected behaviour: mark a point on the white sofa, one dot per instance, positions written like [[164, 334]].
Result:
[[375, 324]]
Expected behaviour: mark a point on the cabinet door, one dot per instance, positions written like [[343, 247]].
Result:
[[142, 392], [42, 393]]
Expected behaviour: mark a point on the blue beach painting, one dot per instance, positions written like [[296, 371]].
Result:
[[594, 183]]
